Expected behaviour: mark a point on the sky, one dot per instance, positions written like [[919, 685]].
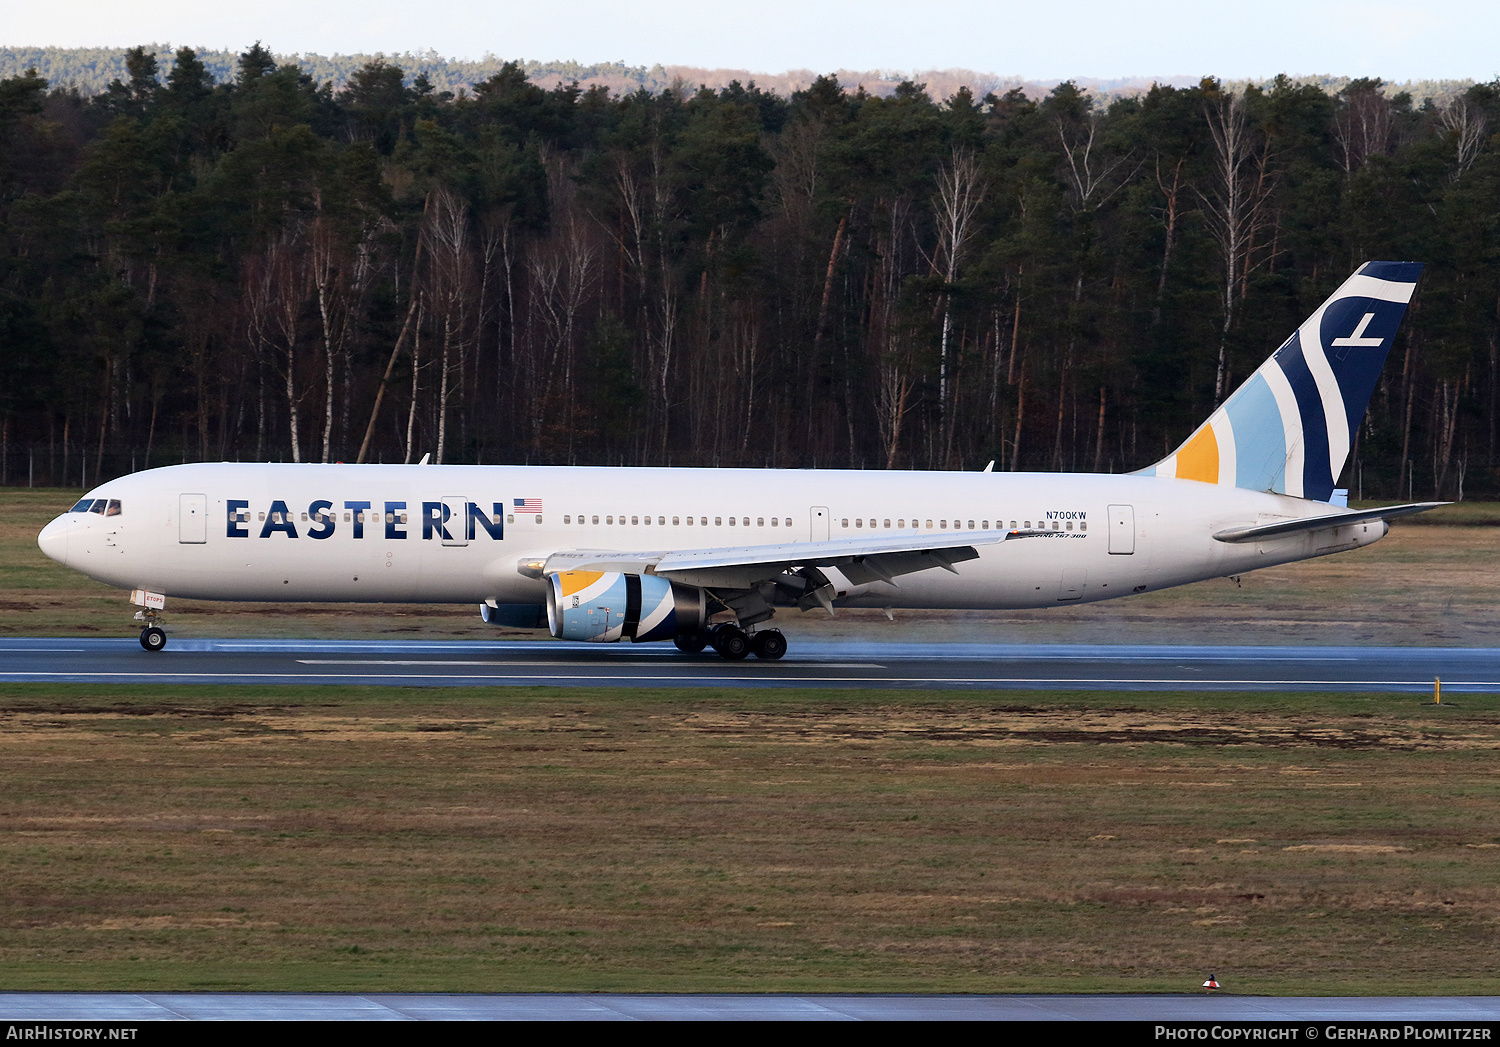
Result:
[[1438, 39]]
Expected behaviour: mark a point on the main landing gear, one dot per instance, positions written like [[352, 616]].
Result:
[[734, 644]]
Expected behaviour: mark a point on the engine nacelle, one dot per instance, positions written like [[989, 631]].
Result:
[[608, 606]]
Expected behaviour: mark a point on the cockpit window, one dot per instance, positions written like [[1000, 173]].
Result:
[[102, 506]]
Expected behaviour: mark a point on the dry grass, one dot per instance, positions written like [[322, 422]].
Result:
[[1430, 582], [493, 840]]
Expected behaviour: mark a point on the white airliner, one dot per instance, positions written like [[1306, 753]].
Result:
[[705, 556]]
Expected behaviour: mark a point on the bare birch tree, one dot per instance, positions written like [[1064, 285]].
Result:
[[562, 276], [256, 301], [1465, 126], [1171, 214], [1091, 172], [960, 193], [894, 400], [1234, 205], [288, 292], [668, 304], [450, 278], [645, 207], [1362, 125], [340, 278]]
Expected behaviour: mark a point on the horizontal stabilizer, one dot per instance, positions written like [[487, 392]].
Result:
[[1282, 528]]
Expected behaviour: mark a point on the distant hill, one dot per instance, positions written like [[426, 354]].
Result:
[[90, 70]]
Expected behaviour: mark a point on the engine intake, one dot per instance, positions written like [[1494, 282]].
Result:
[[608, 606]]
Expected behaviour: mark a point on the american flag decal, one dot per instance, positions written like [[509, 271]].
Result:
[[528, 505]]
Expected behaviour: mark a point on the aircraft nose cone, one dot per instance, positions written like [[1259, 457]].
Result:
[[54, 539]]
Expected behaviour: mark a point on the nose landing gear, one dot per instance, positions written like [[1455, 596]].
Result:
[[153, 636]]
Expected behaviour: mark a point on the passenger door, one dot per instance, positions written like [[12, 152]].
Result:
[[456, 530], [192, 519], [818, 524]]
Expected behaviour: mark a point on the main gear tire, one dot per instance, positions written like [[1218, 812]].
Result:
[[690, 643], [769, 644], [731, 642]]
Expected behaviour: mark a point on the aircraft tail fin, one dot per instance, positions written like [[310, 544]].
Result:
[[1289, 428]]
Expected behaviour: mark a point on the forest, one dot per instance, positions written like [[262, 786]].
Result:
[[265, 268], [92, 69]]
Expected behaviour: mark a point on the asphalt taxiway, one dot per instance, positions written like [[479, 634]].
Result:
[[841, 664]]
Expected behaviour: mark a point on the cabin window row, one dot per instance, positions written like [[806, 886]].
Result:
[[857, 522], [860, 522], [112, 508], [678, 521]]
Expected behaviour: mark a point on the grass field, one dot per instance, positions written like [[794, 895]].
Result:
[[509, 839], [538, 839]]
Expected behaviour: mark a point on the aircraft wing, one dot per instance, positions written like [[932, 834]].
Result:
[[1282, 528], [861, 560]]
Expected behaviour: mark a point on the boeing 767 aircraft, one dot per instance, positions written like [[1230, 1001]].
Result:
[[706, 556]]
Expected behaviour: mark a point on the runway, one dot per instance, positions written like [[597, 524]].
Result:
[[140, 1007], [1100, 667]]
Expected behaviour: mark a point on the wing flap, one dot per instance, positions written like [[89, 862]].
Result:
[[831, 553], [871, 558]]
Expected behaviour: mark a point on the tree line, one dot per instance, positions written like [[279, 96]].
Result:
[[90, 70], [266, 268]]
